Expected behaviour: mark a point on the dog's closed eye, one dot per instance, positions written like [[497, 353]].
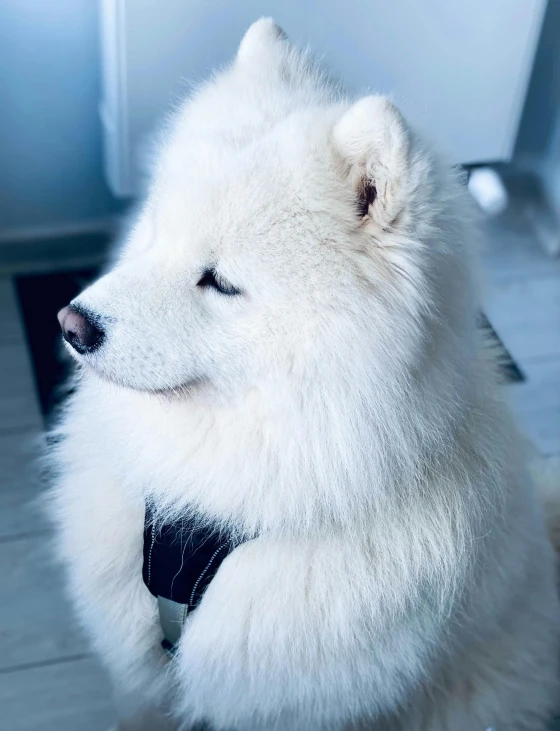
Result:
[[210, 279]]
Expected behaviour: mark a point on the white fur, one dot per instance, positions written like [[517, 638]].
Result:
[[342, 413]]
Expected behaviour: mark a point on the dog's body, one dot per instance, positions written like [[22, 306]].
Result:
[[324, 394]]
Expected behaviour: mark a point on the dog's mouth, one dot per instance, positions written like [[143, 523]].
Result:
[[178, 391], [181, 391]]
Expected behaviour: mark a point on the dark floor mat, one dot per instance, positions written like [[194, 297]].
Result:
[[42, 295], [508, 367]]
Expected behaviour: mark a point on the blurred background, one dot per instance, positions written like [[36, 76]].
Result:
[[84, 88]]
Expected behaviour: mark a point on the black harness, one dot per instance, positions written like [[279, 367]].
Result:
[[180, 561]]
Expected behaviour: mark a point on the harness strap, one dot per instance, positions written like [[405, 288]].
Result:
[[172, 616], [180, 561]]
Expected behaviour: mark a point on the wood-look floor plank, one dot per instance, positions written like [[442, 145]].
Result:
[[536, 405], [21, 487], [526, 315], [37, 623], [65, 696], [510, 250], [18, 402]]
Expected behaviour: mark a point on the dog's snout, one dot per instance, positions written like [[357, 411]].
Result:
[[79, 329]]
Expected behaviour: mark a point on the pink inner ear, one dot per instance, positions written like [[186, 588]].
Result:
[[367, 194]]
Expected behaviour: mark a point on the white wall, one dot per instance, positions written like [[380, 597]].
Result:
[[458, 69]]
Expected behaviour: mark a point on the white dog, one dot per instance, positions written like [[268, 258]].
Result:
[[287, 351]]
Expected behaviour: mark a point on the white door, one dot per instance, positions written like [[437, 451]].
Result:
[[458, 70]]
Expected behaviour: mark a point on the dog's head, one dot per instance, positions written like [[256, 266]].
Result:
[[287, 230]]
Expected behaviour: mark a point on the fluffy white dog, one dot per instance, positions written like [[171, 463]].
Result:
[[287, 349]]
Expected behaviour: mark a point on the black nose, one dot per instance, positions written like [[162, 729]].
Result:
[[80, 329]]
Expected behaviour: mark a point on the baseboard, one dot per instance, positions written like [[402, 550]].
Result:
[[108, 225], [56, 247]]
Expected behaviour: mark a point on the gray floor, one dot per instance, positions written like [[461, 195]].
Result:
[[48, 679]]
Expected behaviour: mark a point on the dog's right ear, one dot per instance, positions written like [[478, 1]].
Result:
[[373, 141], [262, 44]]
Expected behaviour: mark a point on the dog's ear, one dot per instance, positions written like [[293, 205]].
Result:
[[262, 44], [373, 141]]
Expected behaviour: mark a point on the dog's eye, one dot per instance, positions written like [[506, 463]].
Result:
[[209, 278]]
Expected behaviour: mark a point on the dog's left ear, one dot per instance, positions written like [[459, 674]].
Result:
[[373, 142], [264, 43]]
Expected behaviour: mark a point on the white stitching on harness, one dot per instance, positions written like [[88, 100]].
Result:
[[150, 555], [197, 582]]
